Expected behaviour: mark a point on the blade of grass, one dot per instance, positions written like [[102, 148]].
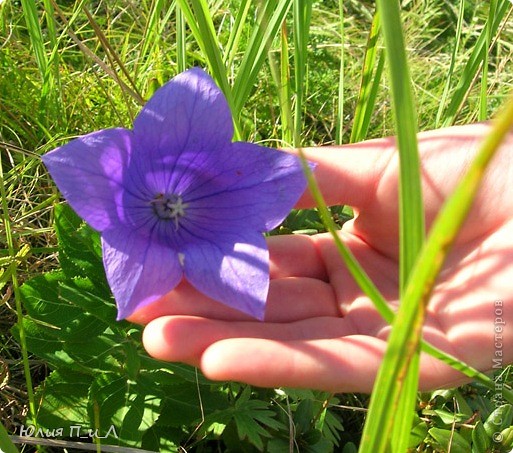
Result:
[[339, 131], [90, 54], [281, 77], [200, 22], [47, 69], [53, 63], [6, 446], [236, 32], [471, 70], [154, 32], [369, 85], [150, 35], [11, 245], [113, 57], [450, 71], [36, 35], [181, 40], [422, 279], [399, 396], [301, 25], [483, 96], [268, 24]]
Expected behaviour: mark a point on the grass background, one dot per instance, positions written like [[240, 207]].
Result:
[[71, 67]]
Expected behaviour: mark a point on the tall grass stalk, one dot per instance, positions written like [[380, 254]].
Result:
[[339, 127], [236, 33], [470, 72], [197, 15], [280, 72], [181, 40], [268, 24], [48, 66], [370, 80], [452, 64], [301, 24], [483, 98], [422, 279], [114, 60], [91, 55], [396, 385], [12, 247]]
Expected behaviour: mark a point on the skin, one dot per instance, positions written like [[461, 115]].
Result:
[[320, 330]]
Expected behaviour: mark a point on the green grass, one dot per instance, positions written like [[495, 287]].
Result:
[[68, 68]]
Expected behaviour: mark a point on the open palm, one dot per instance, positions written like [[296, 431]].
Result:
[[321, 331]]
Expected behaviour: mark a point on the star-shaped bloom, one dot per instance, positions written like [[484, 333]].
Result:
[[174, 197]]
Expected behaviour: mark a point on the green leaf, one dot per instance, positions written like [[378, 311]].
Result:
[[450, 440], [480, 440], [117, 401], [45, 300], [303, 416], [6, 446], [448, 418], [84, 294], [79, 246], [418, 432], [182, 406], [63, 400], [186, 403], [506, 438], [252, 418], [501, 418]]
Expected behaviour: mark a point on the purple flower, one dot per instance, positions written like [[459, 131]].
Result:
[[175, 197]]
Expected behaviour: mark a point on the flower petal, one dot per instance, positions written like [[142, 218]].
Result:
[[189, 114], [255, 187], [89, 173], [139, 269], [234, 272]]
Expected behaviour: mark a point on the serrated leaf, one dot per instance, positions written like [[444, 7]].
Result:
[[79, 246], [182, 406], [162, 438], [82, 293], [252, 418], [62, 400], [186, 372], [43, 302], [116, 401], [43, 345]]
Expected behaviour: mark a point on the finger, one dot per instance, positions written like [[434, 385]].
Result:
[[348, 364], [290, 256], [290, 299], [295, 256], [185, 338], [351, 174], [347, 174]]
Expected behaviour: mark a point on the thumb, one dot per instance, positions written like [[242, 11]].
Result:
[[347, 174]]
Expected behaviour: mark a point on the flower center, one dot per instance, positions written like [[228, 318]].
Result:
[[169, 207]]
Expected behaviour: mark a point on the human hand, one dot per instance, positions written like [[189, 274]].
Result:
[[320, 330]]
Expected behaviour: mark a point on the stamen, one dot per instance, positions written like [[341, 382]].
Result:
[[169, 207]]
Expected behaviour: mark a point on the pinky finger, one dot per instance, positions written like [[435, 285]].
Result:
[[348, 364]]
